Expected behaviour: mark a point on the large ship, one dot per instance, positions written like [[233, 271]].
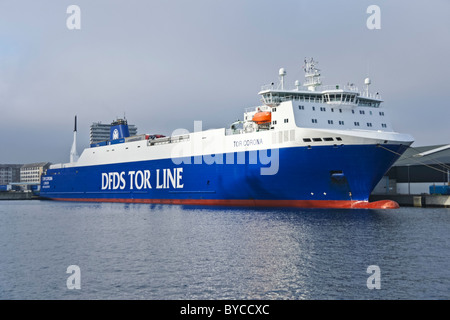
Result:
[[310, 146]]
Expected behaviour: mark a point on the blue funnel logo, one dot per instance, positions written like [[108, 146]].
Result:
[[119, 130]]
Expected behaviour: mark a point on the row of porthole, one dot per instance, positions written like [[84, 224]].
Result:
[[300, 107], [157, 143], [107, 150], [321, 139]]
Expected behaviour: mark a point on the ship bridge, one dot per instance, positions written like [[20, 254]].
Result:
[[331, 95], [348, 95]]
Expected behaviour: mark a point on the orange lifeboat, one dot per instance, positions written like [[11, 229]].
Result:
[[262, 117]]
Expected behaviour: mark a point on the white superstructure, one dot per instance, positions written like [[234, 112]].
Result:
[[316, 116]]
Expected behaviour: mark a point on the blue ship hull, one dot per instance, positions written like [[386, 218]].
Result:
[[321, 176]]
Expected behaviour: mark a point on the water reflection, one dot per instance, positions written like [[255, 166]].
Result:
[[129, 251]]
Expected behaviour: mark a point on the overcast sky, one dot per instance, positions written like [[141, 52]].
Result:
[[164, 64]]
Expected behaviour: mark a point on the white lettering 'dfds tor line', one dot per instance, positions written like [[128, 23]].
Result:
[[140, 179]]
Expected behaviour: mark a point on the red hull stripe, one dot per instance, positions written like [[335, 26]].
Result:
[[382, 204]]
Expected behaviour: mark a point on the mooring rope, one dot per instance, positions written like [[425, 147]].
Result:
[[420, 162]]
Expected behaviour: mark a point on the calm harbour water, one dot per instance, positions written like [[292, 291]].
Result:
[[163, 252]]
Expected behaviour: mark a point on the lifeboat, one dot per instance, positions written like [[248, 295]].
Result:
[[262, 117]]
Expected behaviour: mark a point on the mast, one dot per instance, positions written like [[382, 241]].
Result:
[[73, 151], [312, 75]]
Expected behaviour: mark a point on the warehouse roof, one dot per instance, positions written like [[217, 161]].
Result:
[[426, 155], [37, 164]]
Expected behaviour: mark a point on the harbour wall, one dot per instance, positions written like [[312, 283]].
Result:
[[14, 195], [415, 200]]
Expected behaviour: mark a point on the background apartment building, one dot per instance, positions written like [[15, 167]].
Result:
[[31, 173], [9, 173]]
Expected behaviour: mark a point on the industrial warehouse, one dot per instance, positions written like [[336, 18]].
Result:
[[420, 177]]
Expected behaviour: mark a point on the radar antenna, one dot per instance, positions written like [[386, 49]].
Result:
[[312, 74]]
